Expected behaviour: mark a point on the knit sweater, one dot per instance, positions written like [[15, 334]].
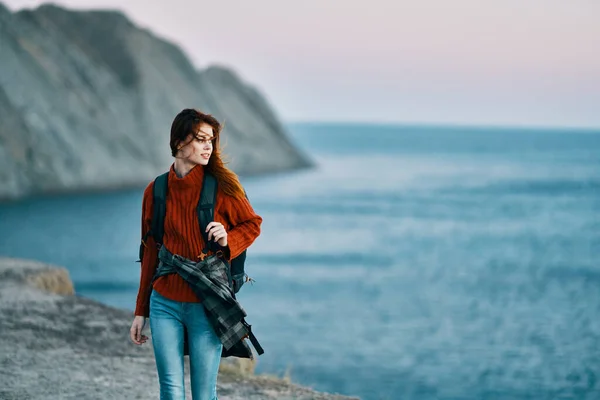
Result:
[[182, 233]]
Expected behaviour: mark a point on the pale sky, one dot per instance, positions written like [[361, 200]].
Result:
[[509, 62]]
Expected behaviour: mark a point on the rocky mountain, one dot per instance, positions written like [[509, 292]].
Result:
[[87, 99]]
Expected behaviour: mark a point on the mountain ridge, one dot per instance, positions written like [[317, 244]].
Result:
[[87, 99]]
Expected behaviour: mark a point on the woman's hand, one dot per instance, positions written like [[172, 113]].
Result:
[[135, 333], [217, 232]]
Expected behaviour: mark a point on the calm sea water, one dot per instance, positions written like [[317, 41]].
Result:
[[412, 263]]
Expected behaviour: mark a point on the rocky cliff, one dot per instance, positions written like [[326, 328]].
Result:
[[55, 344], [87, 99]]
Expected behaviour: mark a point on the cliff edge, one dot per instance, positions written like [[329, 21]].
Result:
[[56, 344]]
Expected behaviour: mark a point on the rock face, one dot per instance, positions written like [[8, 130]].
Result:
[[87, 100], [63, 346]]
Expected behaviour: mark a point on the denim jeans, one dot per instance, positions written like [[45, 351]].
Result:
[[167, 321]]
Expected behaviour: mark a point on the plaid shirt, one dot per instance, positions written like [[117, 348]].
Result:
[[210, 279]]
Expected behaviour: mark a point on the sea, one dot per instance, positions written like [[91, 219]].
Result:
[[411, 262]]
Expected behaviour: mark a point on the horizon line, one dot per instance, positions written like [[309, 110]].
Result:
[[434, 124]]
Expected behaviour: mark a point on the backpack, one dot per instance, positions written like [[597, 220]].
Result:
[[205, 210]]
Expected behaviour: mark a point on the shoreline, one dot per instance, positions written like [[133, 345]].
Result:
[[76, 347], [126, 186]]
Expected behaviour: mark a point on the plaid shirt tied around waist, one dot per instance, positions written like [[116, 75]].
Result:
[[210, 279]]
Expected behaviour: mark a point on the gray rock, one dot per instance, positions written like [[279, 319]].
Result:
[[87, 100], [64, 346]]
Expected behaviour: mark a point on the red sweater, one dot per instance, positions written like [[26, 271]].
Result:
[[182, 233]]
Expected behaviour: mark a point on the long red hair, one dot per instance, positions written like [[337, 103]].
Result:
[[188, 122]]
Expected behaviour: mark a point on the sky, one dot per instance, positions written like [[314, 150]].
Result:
[[474, 62]]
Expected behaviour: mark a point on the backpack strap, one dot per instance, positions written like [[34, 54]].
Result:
[[206, 209], [159, 207]]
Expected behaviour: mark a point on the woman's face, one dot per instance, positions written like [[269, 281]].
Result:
[[198, 148]]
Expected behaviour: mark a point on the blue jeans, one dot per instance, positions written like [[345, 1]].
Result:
[[167, 320]]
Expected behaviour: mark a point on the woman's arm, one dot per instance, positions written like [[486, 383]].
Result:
[[244, 225], [149, 261]]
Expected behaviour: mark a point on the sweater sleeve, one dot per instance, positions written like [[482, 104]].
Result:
[[149, 261], [244, 225]]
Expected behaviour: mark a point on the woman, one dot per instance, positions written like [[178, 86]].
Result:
[[169, 302]]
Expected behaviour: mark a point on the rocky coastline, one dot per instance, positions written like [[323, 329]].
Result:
[[87, 99], [55, 344]]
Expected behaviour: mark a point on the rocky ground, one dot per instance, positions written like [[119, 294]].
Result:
[[55, 344]]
